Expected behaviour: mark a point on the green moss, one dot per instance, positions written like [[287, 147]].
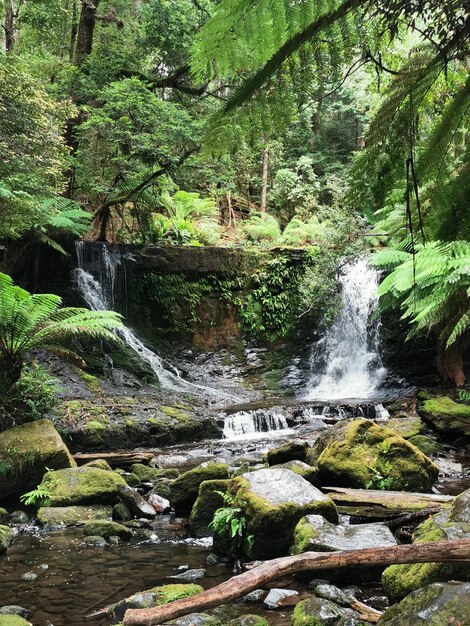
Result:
[[399, 580], [446, 415], [208, 501], [6, 535], [248, 620], [13, 620], [446, 406], [70, 515], [303, 534], [150, 474], [427, 445], [172, 411], [185, 488], [84, 485], [106, 529], [310, 612]]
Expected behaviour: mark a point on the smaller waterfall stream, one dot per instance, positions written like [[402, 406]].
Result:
[[100, 294], [252, 424], [346, 363]]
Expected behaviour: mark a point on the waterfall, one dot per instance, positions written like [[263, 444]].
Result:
[[249, 424], [346, 363]]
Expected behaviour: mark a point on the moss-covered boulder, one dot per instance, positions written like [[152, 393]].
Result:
[[100, 464], [13, 620], [406, 426], [153, 597], [359, 453], [439, 604], [316, 534], [308, 472], [82, 485], [148, 474], [320, 612], [71, 515], [273, 501], [460, 510], [291, 451], [185, 488], [106, 529], [399, 580], [209, 499], [428, 445], [6, 536], [26, 452], [248, 620], [446, 416]]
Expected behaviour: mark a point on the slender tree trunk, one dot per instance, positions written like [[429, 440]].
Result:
[[9, 26], [264, 187], [86, 27], [238, 586], [73, 31]]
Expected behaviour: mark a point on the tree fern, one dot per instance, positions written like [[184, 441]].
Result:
[[38, 321]]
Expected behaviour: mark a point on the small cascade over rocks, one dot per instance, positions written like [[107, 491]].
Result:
[[346, 363], [95, 278], [253, 424]]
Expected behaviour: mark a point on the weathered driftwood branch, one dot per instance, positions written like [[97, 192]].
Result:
[[238, 586], [116, 459], [382, 504]]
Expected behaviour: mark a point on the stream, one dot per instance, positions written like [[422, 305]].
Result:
[[345, 378]]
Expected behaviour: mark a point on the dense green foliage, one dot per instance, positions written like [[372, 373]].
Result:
[[38, 321]]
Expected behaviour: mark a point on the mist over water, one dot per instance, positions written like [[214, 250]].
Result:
[[346, 363]]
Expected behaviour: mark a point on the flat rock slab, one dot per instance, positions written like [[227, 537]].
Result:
[[314, 533], [70, 515], [275, 597], [279, 485]]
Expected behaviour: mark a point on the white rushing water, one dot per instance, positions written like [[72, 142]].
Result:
[[100, 294], [346, 363], [253, 424]]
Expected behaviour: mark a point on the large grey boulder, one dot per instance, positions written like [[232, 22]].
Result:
[[314, 533]]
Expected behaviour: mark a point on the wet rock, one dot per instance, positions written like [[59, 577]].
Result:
[[460, 511], [191, 574], [14, 609], [159, 504], [354, 452], [148, 474], [352, 591], [39, 443], [209, 499], [82, 485], [94, 541], [71, 515], [319, 612], [121, 512], [13, 620], [315, 533], [257, 595], [161, 488], [399, 580], [17, 518], [273, 501], [212, 559], [153, 597], [6, 536], [446, 416], [330, 592], [308, 472], [291, 451], [275, 597], [131, 479], [196, 619], [428, 445], [313, 584], [185, 488], [100, 464], [439, 604], [114, 540], [106, 530], [248, 620], [136, 504], [3, 513], [407, 426], [30, 576]]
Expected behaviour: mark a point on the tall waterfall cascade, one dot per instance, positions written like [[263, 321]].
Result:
[[346, 363], [95, 279]]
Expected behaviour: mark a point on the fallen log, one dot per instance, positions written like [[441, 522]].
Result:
[[382, 504], [238, 586], [116, 459]]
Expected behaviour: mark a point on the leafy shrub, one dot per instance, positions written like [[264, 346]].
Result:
[[31, 397], [299, 233], [262, 227]]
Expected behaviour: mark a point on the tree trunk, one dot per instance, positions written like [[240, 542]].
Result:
[[10, 371], [86, 27], [264, 187], [73, 31], [238, 586], [9, 26]]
